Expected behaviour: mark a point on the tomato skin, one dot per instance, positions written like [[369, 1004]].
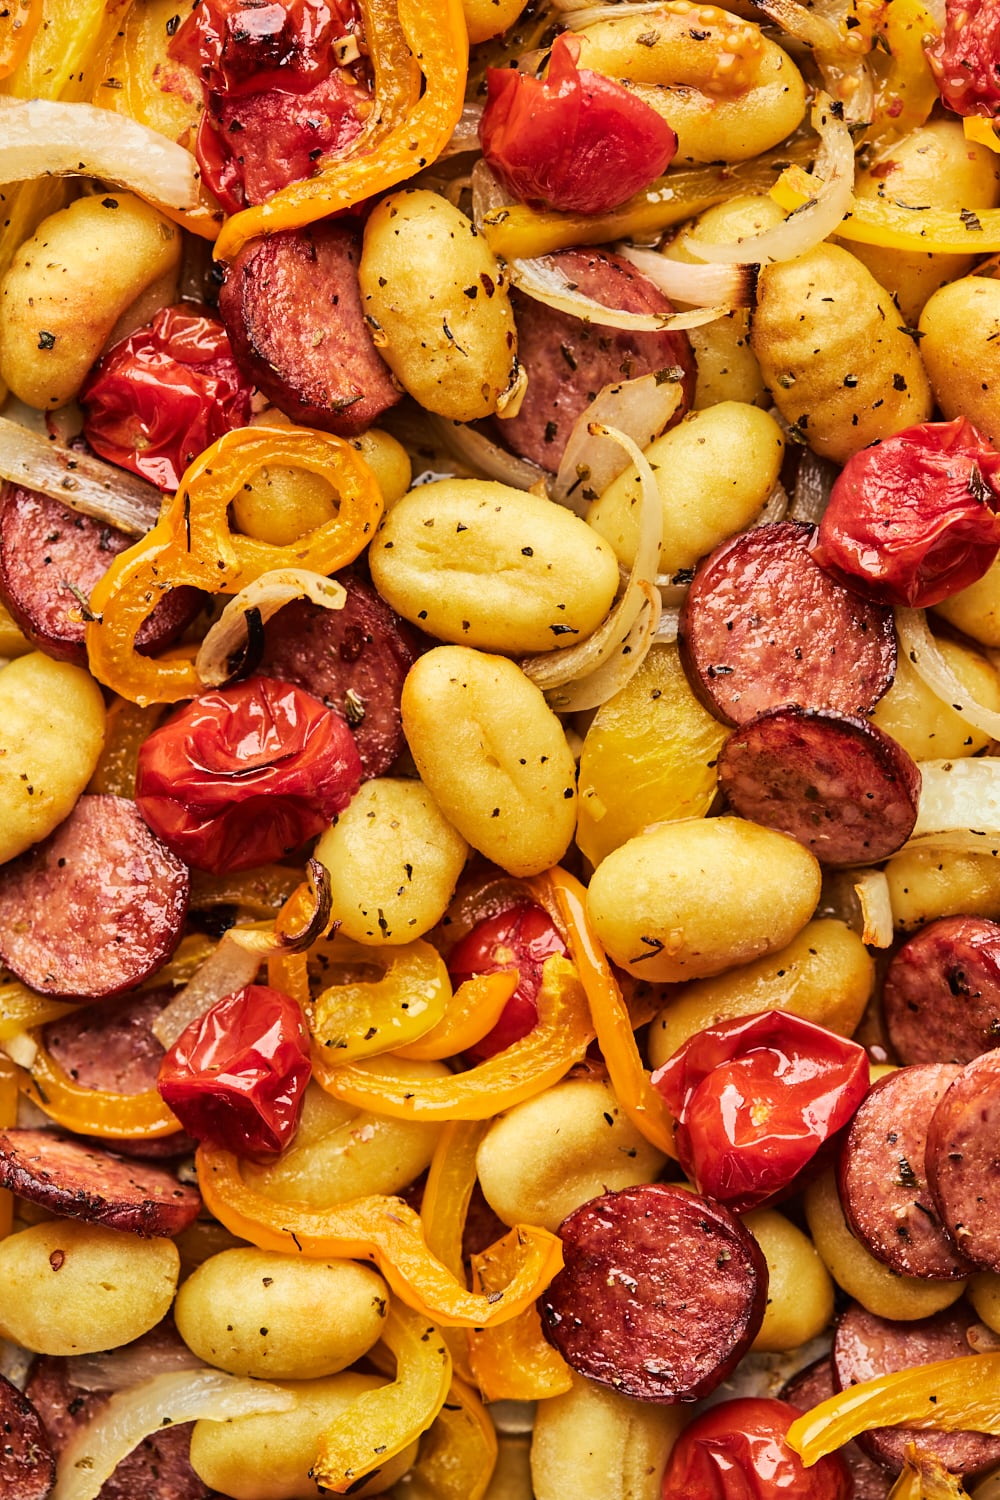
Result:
[[245, 775], [965, 58], [239, 48], [522, 937], [913, 519], [755, 1098], [235, 1077], [736, 1451], [159, 397], [575, 141]]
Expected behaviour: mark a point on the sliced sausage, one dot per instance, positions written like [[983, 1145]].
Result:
[[962, 1160], [839, 785], [96, 907], [83, 1182], [292, 309], [866, 1346], [661, 1294], [763, 626], [112, 1046], [815, 1384], [941, 997], [27, 1463], [568, 360], [883, 1176], [354, 659], [50, 559]]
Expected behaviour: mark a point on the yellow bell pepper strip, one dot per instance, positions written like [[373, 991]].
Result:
[[883, 221], [128, 726], [313, 902], [287, 969], [259, 893], [97, 1112], [982, 131], [436, 33], [363, 1017], [19, 21], [905, 87], [381, 1423], [951, 1395], [8, 1116], [380, 1229], [514, 1362], [444, 1208], [458, 1453], [21, 1009], [615, 1037], [473, 1011], [192, 543], [560, 1039]]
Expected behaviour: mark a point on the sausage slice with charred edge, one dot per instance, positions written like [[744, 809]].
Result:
[[763, 627], [661, 1294], [962, 1160], [79, 1181], [882, 1175], [834, 782], [96, 907], [27, 1463], [941, 996]]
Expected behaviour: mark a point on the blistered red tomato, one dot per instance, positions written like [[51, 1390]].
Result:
[[246, 774], [575, 140], [965, 58], [737, 1451], [521, 938], [236, 47], [236, 1076], [755, 1098], [913, 519], [159, 397]]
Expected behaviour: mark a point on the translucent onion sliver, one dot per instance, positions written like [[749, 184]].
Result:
[[959, 796], [640, 409], [475, 450], [918, 644], [224, 972], [872, 890], [80, 481], [698, 285], [266, 594], [545, 282]]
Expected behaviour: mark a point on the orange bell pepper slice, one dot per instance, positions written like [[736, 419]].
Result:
[[444, 1208], [97, 1112], [513, 1362], [8, 1116], [388, 153], [458, 1453], [473, 1010], [616, 1039], [380, 1229], [19, 20]]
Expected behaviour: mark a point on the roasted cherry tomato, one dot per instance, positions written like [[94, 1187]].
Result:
[[737, 1451], [575, 140], [245, 775], [236, 1076], [755, 1098], [913, 519], [240, 48], [159, 398], [521, 938], [965, 58]]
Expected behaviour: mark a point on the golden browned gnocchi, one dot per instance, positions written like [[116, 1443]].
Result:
[[597, 1445], [799, 1286]]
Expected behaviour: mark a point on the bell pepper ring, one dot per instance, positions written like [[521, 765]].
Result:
[[381, 1423], [383, 1230], [193, 543], [101, 1113]]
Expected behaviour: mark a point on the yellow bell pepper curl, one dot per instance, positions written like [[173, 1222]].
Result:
[[950, 1395], [444, 1209], [560, 1038], [99, 1112], [513, 1362], [193, 543], [381, 1423], [612, 1022], [18, 23], [458, 1453], [906, 89], [380, 1229], [894, 226], [8, 1116], [436, 34], [22, 1009], [365, 1017], [473, 1010]]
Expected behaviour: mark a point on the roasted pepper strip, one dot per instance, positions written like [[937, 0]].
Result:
[[513, 1362], [473, 1010], [21, 1009], [192, 543], [906, 90], [381, 1423], [615, 1037], [8, 1116], [883, 221], [458, 1453], [98, 1112], [560, 1039], [379, 1229], [445, 1207], [364, 1017], [19, 20], [951, 1395], [925, 1477], [128, 726], [437, 37]]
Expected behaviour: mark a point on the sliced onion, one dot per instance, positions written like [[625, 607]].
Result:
[[267, 941], [95, 1450], [832, 181], [872, 890], [21, 1048], [43, 138], [262, 598], [121, 1369], [544, 281], [574, 678], [667, 629], [640, 408], [697, 285], [474, 449], [488, 193], [78, 480], [918, 644], [465, 136], [959, 805], [224, 972], [841, 59], [813, 483], [775, 507]]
